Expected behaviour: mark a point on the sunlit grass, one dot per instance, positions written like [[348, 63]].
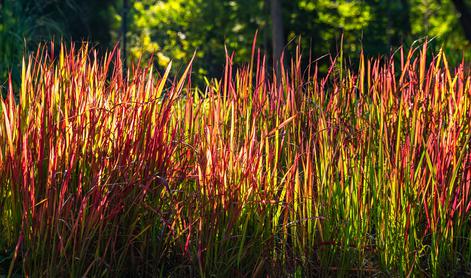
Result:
[[354, 172]]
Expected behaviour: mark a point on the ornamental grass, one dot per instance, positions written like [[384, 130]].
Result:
[[352, 171]]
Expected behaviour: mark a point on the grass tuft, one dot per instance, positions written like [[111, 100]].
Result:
[[353, 172]]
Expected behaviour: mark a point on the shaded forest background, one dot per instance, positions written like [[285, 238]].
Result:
[[174, 29]]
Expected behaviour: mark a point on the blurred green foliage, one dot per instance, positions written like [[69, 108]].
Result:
[[26, 23], [12, 30], [175, 29]]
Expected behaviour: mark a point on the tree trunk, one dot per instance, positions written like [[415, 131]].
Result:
[[277, 34], [124, 30], [406, 17], [465, 17]]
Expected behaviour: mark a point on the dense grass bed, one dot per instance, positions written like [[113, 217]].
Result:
[[358, 171]]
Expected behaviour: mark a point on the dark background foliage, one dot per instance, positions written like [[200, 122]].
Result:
[[175, 29]]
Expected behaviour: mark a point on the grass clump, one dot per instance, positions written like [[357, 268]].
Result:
[[354, 172]]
